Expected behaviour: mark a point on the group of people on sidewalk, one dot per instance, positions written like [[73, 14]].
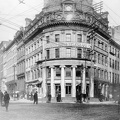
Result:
[[4, 99], [80, 97]]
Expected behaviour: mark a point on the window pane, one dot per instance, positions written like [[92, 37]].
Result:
[[58, 72], [57, 38], [68, 54], [48, 54], [79, 53], [68, 72], [56, 53], [68, 37], [79, 37], [47, 39]]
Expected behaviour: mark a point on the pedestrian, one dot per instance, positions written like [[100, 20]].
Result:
[[77, 100], [6, 100], [57, 94], [1, 97], [80, 97], [35, 98], [48, 97]]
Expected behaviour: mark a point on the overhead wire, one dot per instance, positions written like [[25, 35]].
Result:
[[12, 23], [31, 7], [112, 11], [8, 21], [111, 16], [25, 11], [9, 27], [12, 9]]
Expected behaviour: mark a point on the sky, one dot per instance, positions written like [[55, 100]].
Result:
[[14, 12]]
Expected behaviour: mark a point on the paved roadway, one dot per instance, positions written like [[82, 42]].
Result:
[[59, 111]]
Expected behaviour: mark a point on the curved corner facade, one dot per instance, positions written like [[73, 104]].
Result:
[[64, 51]]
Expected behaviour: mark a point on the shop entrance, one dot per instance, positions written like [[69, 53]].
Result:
[[57, 88]]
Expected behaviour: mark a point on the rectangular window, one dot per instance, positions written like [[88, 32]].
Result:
[[110, 49], [47, 39], [88, 38], [68, 37], [48, 72], [79, 37], [68, 72], [118, 65], [113, 78], [110, 76], [88, 54], [79, 53], [68, 52], [102, 60], [106, 47], [110, 62], [118, 54], [95, 57], [38, 73], [78, 72], [68, 89], [38, 43], [98, 58], [113, 50], [57, 54], [57, 37], [58, 72], [106, 61], [47, 54]]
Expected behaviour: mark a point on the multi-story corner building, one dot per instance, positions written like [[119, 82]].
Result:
[[59, 47], [9, 67], [3, 45], [20, 62]]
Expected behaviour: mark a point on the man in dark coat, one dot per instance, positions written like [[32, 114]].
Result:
[[6, 100], [1, 97], [35, 98]]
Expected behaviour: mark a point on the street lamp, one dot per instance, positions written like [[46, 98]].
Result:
[[14, 80]]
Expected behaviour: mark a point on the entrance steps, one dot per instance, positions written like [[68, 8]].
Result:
[[94, 100], [66, 100]]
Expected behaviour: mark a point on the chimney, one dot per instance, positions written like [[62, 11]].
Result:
[[28, 21]]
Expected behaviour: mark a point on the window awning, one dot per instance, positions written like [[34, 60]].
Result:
[[35, 82], [11, 82]]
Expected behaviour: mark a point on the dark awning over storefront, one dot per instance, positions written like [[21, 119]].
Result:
[[12, 82], [35, 82]]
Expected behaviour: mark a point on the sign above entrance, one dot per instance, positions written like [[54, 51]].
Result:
[[66, 44]]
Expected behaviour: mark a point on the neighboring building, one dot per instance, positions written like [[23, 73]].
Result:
[[3, 45], [58, 47], [114, 62], [9, 67], [115, 33], [20, 62]]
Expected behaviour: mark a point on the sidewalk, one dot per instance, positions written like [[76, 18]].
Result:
[[44, 101]]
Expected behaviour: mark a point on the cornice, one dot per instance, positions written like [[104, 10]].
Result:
[[58, 17]]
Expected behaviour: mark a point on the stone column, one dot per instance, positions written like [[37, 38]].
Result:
[[44, 84], [103, 89], [84, 81], [91, 94], [62, 81], [52, 82], [106, 92], [74, 82]]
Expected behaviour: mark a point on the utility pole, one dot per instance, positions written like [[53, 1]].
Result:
[[92, 34]]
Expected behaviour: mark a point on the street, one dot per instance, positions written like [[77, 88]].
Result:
[[59, 111]]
